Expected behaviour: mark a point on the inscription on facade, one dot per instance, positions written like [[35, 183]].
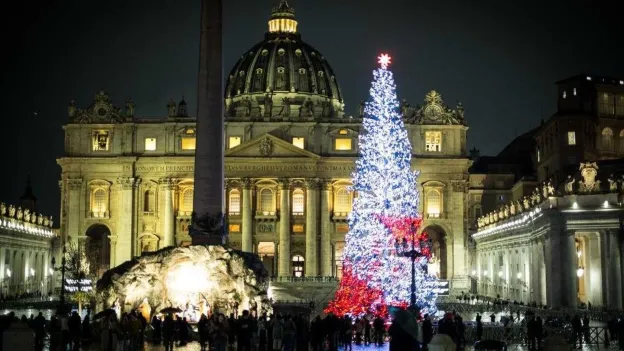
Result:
[[266, 227], [176, 168]]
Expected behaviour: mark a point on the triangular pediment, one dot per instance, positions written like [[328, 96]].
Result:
[[268, 145]]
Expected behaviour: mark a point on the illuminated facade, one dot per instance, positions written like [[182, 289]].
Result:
[[127, 182], [547, 230], [26, 248]]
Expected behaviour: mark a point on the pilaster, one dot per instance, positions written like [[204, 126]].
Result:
[[124, 218], [326, 248], [167, 185], [311, 265], [72, 225], [247, 239], [284, 229]]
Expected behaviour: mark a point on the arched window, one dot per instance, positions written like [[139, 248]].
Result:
[[266, 201], [98, 203], [298, 202], [434, 203], [234, 202], [622, 141], [607, 139], [187, 200], [298, 264], [342, 203], [149, 201]]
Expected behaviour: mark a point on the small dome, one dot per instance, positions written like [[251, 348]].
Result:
[[295, 77]]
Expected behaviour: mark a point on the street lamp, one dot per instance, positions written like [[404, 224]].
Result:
[[414, 253]]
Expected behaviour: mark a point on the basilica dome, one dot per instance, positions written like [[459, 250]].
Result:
[[283, 77]]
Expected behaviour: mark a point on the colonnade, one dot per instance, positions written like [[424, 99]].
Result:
[[25, 269], [560, 268]]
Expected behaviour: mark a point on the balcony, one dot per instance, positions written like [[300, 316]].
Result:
[[266, 215], [99, 214], [340, 216]]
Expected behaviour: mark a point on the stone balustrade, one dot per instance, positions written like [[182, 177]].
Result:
[[22, 220]]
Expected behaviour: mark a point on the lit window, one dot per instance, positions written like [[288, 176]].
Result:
[[297, 228], [150, 144], [607, 139], [235, 228], [588, 78], [538, 155], [343, 201], [433, 141], [266, 201], [298, 200], [234, 141], [434, 203], [343, 132], [574, 91], [149, 201], [564, 94], [187, 200], [297, 264], [100, 141], [572, 138], [98, 206], [234, 202], [188, 143], [299, 142], [342, 144]]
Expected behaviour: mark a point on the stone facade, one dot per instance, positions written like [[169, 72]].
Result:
[[135, 178]]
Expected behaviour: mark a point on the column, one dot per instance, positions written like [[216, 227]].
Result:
[[168, 215], [124, 220], [284, 229], [311, 266], [247, 239], [72, 208], [326, 249], [615, 273], [594, 271], [562, 269]]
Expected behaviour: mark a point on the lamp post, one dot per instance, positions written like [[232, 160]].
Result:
[[63, 262], [414, 253]]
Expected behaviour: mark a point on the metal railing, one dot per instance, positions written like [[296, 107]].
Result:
[[304, 279]]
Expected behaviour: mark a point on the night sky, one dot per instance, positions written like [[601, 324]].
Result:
[[500, 58]]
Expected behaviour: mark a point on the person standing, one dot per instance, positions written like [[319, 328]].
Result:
[[220, 333], [290, 332], [74, 325], [278, 333], [39, 329], [427, 330], [379, 326], [479, 327], [168, 332], [245, 329]]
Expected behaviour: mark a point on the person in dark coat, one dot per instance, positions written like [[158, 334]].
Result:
[[39, 329], [379, 326], [427, 330], [168, 332], [400, 340], [74, 330], [202, 330], [157, 334], [244, 331], [577, 330], [447, 326], [479, 327]]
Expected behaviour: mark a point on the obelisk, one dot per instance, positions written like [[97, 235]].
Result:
[[207, 220]]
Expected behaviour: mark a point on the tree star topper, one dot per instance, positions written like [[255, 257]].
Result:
[[384, 60]]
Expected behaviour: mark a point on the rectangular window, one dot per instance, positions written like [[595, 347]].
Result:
[[188, 143], [433, 141], [342, 144], [235, 228], [297, 228], [150, 144], [299, 142], [619, 105], [606, 104], [234, 141], [101, 141], [571, 138]]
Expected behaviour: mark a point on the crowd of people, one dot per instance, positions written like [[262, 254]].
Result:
[[130, 332]]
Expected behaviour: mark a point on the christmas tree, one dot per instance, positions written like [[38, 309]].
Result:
[[384, 223]]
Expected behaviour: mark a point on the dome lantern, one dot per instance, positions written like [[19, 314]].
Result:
[[283, 19]]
